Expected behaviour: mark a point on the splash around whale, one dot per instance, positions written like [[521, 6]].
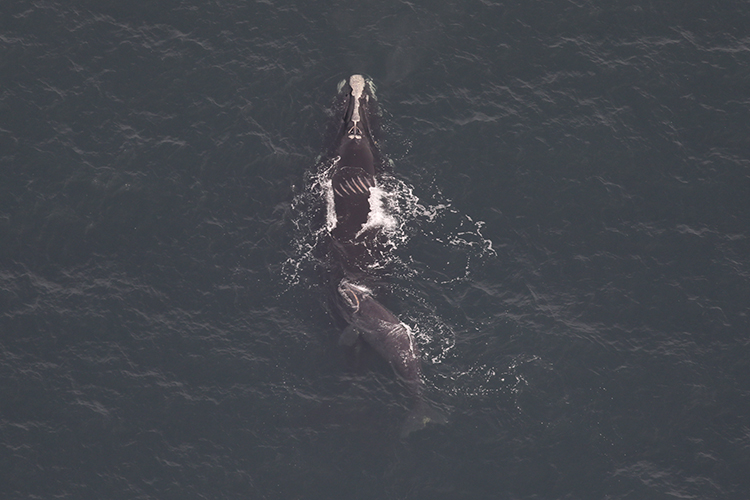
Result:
[[357, 247]]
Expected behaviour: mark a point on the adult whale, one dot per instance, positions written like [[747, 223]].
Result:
[[357, 249], [356, 165]]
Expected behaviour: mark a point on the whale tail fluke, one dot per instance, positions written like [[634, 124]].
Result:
[[420, 416]]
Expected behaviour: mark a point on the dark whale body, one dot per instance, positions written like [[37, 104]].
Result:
[[354, 175], [355, 250]]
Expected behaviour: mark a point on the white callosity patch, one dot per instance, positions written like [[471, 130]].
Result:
[[351, 292], [357, 83]]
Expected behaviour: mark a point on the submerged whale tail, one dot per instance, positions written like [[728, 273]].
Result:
[[420, 416]]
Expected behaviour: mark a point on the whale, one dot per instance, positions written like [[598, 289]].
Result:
[[383, 331], [358, 161], [355, 252], [394, 341]]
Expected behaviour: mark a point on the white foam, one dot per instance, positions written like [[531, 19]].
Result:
[[396, 214], [380, 216]]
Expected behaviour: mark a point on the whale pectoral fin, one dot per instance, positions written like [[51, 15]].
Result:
[[349, 336]]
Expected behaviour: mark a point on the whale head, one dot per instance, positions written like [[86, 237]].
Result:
[[353, 295]]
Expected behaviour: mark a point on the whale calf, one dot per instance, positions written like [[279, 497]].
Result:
[[394, 341]]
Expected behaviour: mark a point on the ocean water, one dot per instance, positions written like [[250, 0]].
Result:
[[571, 249]]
